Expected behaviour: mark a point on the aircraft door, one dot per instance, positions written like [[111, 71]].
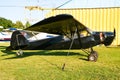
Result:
[[87, 40]]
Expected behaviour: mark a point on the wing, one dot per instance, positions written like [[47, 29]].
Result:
[[60, 24]]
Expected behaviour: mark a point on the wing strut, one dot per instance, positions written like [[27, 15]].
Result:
[[70, 47], [34, 36]]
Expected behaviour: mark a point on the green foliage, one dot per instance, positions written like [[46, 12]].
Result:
[[19, 25], [6, 23], [1, 29], [27, 24], [47, 64]]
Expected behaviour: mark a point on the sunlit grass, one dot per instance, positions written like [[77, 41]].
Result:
[[47, 65]]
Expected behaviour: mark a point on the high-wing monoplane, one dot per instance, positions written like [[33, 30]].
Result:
[[60, 32], [5, 34]]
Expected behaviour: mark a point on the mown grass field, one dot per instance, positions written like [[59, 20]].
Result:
[[46, 65]]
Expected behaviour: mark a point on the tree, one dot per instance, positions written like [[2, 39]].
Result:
[[6, 23], [27, 24], [19, 25]]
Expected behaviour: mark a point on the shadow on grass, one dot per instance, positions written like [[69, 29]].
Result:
[[43, 53], [84, 59], [2, 47], [8, 52]]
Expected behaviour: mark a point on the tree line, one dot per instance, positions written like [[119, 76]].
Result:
[[9, 24]]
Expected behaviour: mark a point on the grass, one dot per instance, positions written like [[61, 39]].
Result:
[[47, 65]]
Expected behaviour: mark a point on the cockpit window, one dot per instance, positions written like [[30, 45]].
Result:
[[84, 33]]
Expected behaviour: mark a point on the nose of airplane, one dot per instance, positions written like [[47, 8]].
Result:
[[110, 36]]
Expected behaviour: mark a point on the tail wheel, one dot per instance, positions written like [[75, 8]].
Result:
[[8, 48], [19, 53], [93, 56]]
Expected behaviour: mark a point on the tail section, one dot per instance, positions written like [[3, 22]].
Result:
[[18, 40]]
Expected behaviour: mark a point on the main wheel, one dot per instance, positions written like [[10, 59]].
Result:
[[93, 56]]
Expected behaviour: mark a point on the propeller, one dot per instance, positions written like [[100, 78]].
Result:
[[114, 33]]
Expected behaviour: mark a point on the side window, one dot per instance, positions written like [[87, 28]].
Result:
[[69, 30], [84, 33]]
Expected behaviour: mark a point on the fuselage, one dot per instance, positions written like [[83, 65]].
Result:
[[45, 41]]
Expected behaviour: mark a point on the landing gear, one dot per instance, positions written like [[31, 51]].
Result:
[[93, 56], [19, 53]]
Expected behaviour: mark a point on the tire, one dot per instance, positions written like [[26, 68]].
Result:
[[93, 56]]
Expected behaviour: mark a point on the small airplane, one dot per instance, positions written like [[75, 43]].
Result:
[[60, 32], [5, 34]]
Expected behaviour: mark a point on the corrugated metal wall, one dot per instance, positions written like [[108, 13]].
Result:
[[97, 19]]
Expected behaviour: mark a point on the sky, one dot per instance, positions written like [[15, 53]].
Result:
[[15, 9]]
